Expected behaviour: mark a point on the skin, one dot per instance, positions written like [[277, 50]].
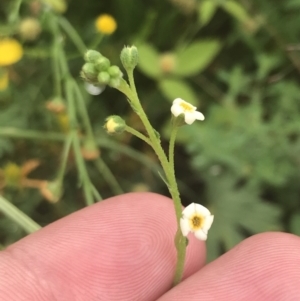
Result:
[[123, 249]]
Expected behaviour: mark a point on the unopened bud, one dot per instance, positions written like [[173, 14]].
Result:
[[30, 29], [89, 72], [59, 6], [103, 78], [56, 105], [91, 56], [90, 150], [167, 62], [102, 64], [114, 71], [115, 125], [129, 57]]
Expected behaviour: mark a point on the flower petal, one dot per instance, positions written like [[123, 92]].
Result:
[[202, 210], [184, 226], [207, 223], [176, 110], [177, 101], [189, 210], [201, 235], [189, 118], [199, 115]]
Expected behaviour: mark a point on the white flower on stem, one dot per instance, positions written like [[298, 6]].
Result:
[[182, 107], [196, 219]]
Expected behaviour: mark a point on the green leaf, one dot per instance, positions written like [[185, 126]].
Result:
[[196, 57], [174, 88], [236, 10], [237, 208], [206, 11], [149, 61]]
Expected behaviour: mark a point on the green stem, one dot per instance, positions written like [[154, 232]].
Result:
[[138, 134], [64, 160], [108, 176], [19, 217], [72, 33], [84, 177], [56, 72], [30, 134], [180, 241], [172, 145], [96, 194], [88, 187], [99, 37], [82, 110], [15, 12]]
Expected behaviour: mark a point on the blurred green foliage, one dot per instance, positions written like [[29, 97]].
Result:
[[237, 61]]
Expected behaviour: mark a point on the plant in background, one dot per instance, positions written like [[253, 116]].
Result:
[[97, 70], [106, 24], [11, 51], [238, 61]]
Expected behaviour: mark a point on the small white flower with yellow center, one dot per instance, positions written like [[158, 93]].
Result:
[[182, 107], [196, 219]]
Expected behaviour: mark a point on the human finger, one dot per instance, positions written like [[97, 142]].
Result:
[[264, 267], [119, 249]]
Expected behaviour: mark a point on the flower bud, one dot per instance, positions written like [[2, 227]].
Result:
[[115, 125], [56, 105], [59, 6], [129, 57], [91, 56], [89, 72], [90, 150], [30, 29], [114, 71], [167, 62], [102, 64], [103, 78], [52, 191]]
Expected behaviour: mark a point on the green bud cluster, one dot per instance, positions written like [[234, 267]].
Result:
[[97, 70]]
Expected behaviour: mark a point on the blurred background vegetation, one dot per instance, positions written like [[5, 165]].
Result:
[[237, 61]]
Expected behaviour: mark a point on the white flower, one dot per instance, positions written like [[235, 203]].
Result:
[[197, 219], [182, 107]]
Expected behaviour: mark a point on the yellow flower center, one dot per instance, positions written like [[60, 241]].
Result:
[[111, 126], [196, 222], [187, 107], [12, 174], [106, 24], [11, 51], [63, 122]]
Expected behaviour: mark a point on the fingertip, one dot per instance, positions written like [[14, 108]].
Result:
[[262, 267]]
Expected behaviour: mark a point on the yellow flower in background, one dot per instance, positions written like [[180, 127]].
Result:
[[11, 51], [106, 24], [3, 79], [63, 122]]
